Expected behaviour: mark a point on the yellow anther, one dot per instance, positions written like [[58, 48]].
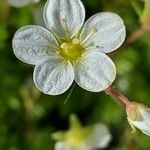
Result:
[[71, 50], [64, 46], [75, 41], [62, 18], [93, 30]]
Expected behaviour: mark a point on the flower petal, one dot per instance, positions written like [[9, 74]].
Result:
[[21, 3], [100, 137], [60, 146], [68, 146], [35, 1], [32, 44], [53, 76], [104, 30], [95, 71], [142, 125], [138, 116], [65, 17]]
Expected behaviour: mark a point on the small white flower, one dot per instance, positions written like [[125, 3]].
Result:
[[139, 116], [82, 138], [68, 50], [38, 17], [21, 3]]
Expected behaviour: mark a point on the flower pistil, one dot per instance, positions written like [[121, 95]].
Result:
[[71, 50]]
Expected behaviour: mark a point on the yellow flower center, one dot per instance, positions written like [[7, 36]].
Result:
[[78, 135], [71, 50]]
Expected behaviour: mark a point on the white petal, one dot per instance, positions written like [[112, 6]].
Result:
[[35, 1], [68, 146], [95, 71], [60, 146], [32, 44], [100, 137], [65, 17], [53, 76], [142, 125], [145, 112], [107, 32], [21, 3]]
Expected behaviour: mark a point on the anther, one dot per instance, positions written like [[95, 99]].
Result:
[[64, 46], [75, 41], [62, 19], [94, 30]]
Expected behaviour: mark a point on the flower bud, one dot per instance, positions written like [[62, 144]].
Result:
[[138, 116]]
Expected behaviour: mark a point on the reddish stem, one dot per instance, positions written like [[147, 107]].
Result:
[[114, 93], [138, 33]]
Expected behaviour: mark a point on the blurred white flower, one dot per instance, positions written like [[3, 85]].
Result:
[[38, 16], [82, 138], [139, 116], [68, 50], [21, 3]]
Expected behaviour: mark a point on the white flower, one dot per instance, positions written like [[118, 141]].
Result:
[[38, 17], [68, 50], [82, 138], [139, 116], [21, 3]]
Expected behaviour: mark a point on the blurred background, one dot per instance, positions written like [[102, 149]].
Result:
[[28, 117]]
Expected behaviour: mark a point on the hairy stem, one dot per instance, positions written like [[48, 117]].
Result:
[[114, 93]]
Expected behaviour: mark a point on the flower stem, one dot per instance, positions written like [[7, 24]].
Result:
[[138, 33], [114, 93]]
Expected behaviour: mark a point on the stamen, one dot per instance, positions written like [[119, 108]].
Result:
[[62, 19], [75, 41], [92, 31], [53, 47], [65, 26], [71, 50], [64, 46], [93, 47]]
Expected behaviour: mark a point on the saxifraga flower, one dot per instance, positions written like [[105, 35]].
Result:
[[69, 50], [79, 137]]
